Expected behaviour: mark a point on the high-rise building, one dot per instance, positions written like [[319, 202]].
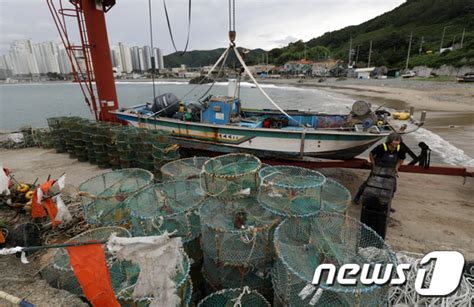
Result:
[[159, 63], [146, 58], [135, 59], [63, 60], [46, 57], [23, 59], [141, 59], [126, 58]]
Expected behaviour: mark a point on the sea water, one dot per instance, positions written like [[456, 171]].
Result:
[[32, 103]]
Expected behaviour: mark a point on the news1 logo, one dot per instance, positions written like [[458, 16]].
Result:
[[445, 278]]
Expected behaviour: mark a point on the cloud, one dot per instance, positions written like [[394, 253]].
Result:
[[260, 24]]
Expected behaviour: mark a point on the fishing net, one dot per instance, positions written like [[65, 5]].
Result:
[[102, 195], [76, 134], [184, 287], [168, 207], [334, 197], [290, 191], [60, 274], [234, 297], [231, 176], [188, 168], [70, 133], [303, 243], [237, 232], [406, 294], [125, 149], [43, 137], [221, 276], [59, 127]]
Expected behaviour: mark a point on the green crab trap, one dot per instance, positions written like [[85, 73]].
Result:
[[102, 196], [303, 243], [171, 206], [237, 232], [334, 197], [59, 273], [221, 276], [235, 297], [57, 126], [184, 287], [290, 191], [231, 176], [188, 168]]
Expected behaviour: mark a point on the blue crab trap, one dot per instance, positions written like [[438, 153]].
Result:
[[231, 176], [59, 273], [188, 168], [290, 191], [237, 232], [171, 206], [102, 196], [303, 243]]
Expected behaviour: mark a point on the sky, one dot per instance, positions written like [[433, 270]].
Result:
[[262, 24]]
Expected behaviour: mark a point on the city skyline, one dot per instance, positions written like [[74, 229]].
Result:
[[26, 57]]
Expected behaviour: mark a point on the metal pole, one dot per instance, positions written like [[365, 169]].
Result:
[[357, 54], [370, 53], [421, 45], [442, 39], [462, 37], [409, 49], [350, 52]]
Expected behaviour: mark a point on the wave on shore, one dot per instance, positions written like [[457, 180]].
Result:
[[447, 151]]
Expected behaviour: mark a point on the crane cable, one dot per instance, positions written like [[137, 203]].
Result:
[[171, 32], [232, 35], [153, 60]]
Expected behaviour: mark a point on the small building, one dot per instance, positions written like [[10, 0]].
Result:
[[298, 67], [364, 73]]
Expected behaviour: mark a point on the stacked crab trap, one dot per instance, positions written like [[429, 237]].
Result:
[[236, 232], [254, 233], [304, 243], [103, 196]]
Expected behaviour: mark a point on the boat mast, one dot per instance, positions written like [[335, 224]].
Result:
[[94, 51]]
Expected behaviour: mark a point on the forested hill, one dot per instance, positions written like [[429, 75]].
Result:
[[389, 33], [198, 58]]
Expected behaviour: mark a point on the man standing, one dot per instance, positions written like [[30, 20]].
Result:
[[389, 154]]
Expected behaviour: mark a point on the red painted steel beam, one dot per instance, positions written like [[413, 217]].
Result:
[[101, 61], [363, 164]]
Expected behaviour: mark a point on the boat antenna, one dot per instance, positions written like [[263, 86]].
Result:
[[171, 32], [153, 66]]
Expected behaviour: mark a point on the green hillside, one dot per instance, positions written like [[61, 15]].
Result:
[[198, 58], [389, 33]]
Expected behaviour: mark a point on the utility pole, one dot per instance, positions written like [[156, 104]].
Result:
[[409, 49], [350, 52], [357, 54], [370, 53], [305, 51], [442, 39], [462, 37], [421, 45]]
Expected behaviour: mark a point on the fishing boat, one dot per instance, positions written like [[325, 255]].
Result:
[[220, 124]]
